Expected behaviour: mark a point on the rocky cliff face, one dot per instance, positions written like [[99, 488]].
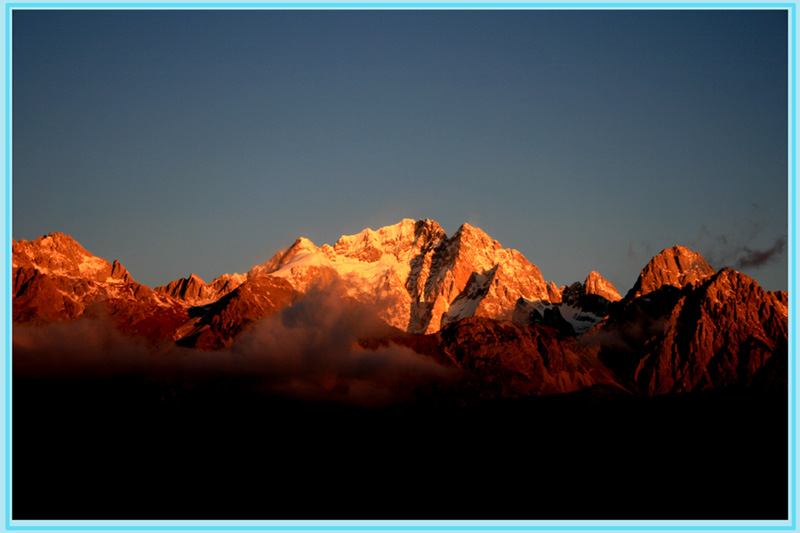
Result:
[[55, 278], [222, 321], [58, 254], [717, 330], [421, 278], [580, 306], [677, 267], [513, 360], [502, 359], [497, 278], [194, 291], [597, 285], [719, 333]]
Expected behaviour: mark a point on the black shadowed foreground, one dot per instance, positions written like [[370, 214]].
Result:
[[122, 449]]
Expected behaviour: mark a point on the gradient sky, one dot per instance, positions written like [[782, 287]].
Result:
[[205, 141]]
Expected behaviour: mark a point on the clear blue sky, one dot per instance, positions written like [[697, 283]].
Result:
[[205, 141]]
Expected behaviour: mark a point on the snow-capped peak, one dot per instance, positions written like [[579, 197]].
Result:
[[417, 272]]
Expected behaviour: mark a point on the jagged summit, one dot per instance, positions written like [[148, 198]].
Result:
[[676, 266], [191, 288], [597, 285], [120, 273], [55, 279], [60, 254], [398, 240], [718, 331], [576, 309], [422, 277], [594, 289], [194, 291]]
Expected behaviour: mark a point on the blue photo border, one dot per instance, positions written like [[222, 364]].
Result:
[[386, 525]]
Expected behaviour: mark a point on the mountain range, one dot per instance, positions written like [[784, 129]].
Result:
[[397, 374], [463, 301]]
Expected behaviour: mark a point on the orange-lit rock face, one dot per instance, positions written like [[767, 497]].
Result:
[[676, 267], [719, 333], [194, 291], [55, 278], [417, 273], [519, 360], [258, 297], [191, 289], [597, 285], [466, 300], [417, 278], [59, 254]]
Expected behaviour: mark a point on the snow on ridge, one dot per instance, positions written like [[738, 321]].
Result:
[[403, 228], [370, 244], [343, 265], [302, 259], [580, 320], [94, 266]]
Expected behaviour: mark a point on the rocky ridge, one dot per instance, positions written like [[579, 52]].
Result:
[[580, 307], [194, 291], [55, 278], [677, 267], [721, 330], [421, 278]]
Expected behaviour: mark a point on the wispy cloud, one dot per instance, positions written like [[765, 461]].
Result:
[[742, 245], [757, 258]]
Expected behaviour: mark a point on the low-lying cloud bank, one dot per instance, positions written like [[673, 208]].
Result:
[[308, 351]]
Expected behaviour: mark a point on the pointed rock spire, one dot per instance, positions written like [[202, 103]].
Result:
[[599, 286], [120, 272], [677, 266], [190, 289]]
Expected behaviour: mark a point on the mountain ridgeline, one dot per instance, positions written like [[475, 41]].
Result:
[[442, 376], [464, 302]]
